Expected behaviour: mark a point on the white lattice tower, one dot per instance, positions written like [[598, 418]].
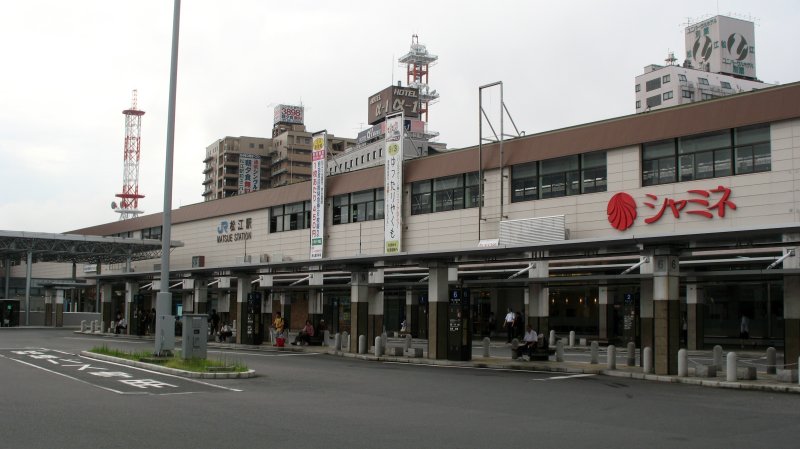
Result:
[[129, 198], [418, 62]]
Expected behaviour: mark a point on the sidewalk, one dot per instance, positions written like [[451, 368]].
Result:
[[763, 382]]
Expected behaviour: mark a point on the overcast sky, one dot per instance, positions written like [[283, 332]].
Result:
[[69, 68]]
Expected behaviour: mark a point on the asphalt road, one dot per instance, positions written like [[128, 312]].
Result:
[[315, 401]]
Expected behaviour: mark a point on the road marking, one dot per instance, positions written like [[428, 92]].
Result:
[[572, 376]]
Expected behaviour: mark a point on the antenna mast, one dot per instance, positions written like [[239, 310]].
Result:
[[129, 198]]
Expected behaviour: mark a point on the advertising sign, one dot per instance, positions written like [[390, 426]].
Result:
[[285, 113], [392, 100], [393, 185], [319, 145], [722, 45], [249, 173]]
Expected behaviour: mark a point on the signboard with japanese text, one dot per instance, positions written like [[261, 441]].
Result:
[[622, 207], [393, 100], [393, 185], [235, 230], [249, 173], [285, 113], [319, 144], [722, 44]]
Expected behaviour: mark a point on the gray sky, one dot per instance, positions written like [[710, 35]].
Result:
[[69, 68]]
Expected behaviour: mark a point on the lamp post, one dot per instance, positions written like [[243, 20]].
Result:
[[165, 321]]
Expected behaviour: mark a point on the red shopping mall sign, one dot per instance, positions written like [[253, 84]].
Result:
[[622, 208]]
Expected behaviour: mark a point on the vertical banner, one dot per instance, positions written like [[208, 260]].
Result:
[[249, 173], [319, 144], [393, 185]]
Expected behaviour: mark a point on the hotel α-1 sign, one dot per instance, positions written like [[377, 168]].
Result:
[[622, 208]]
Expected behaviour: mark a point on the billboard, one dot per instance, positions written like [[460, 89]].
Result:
[[319, 143], [415, 127], [249, 173], [393, 185], [393, 100], [722, 45], [285, 113]]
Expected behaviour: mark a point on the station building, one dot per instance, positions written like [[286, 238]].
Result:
[[663, 228]]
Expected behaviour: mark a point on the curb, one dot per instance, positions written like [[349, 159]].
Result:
[[175, 372]]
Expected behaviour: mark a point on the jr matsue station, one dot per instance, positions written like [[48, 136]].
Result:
[[663, 228]]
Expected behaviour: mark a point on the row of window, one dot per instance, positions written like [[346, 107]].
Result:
[[355, 162], [564, 176], [710, 155]]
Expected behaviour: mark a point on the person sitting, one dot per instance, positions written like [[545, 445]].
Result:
[[225, 332], [528, 342], [121, 324], [305, 334]]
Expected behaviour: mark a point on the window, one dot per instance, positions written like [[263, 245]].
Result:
[[525, 182], [443, 194], [709, 155], [152, 233], [704, 96], [638, 87], [593, 172], [358, 206], [681, 77], [252, 145], [752, 149], [290, 217], [665, 79], [654, 101], [261, 146], [658, 162], [703, 81], [653, 84], [725, 84], [705, 156], [638, 104], [687, 94], [559, 177], [667, 95]]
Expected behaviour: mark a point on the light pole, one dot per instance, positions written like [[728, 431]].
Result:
[[165, 321]]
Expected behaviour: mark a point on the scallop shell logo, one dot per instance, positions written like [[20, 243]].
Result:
[[393, 149], [621, 211]]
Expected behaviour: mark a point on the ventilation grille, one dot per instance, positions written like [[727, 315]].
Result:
[[532, 230]]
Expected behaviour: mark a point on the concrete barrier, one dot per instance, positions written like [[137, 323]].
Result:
[[395, 351], [731, 368], [362, 344], [595, 351], [786, 375], [647, 360], [705, 371], [378, 347], [746, 373], [414, 352], [683, 363], [771, 359]]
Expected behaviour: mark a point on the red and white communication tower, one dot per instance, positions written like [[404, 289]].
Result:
[[418, 62], [129, 198]]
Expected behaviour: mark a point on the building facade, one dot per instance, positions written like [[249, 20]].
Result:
[[236, 165], [720, 61], [629, 229]]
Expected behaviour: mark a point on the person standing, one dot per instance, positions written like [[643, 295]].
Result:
[[214, 318], [509, 324]]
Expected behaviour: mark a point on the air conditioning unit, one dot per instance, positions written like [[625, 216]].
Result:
[[198, 261]]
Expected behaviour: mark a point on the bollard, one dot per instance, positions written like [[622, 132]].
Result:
[[95, 326], [771, 357], [731, 375], [326, 338], [631, 354], [560, 351], [102, 327], [718, 357], [595, 352], [384, 339], [647, 360], [378, 346], [486, 343], [612, 357], [345, 342], [83, 325], [571, 339], [683, 363], [362, 344], [407, 343], [337, 342], [552, 339], [514, 346]]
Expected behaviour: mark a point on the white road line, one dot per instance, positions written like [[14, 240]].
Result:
[[69, 377], [573, 376]]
